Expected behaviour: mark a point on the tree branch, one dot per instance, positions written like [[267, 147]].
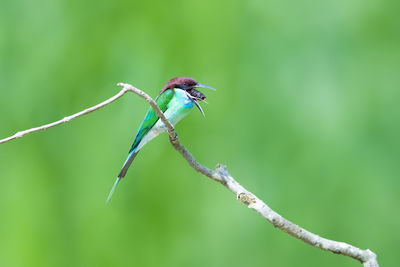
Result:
[[221, 175], [65, 119]]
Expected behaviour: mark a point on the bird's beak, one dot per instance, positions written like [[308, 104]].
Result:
[[204, 86]]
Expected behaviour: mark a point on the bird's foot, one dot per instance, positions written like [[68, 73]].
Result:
[[174, 138]]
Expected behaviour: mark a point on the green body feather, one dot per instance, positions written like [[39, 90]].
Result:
[[151, 117]]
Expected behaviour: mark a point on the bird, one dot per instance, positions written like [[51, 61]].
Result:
[[176, 99]]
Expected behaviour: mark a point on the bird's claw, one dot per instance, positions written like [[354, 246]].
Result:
[[174, 138]]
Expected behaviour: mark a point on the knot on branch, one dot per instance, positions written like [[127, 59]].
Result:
[[247, 198], [221, 169], [223, 174]]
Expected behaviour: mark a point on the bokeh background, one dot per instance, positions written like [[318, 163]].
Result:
[[306, 116]]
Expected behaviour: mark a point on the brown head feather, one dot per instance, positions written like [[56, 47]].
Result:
[[184, 83]]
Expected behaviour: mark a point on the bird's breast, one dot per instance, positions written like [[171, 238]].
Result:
[[180, 100], [179, 106]]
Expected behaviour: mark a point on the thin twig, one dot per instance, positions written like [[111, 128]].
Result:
[[221, 175], [65, 119]]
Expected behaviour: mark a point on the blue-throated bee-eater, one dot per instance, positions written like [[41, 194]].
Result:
[[175, 100]]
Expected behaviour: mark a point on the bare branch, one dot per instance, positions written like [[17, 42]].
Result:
[[65, 119], [125, 88], [221, 175]]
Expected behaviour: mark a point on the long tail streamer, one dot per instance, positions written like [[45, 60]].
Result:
[[113, 189]]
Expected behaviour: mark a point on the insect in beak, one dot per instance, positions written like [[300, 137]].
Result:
[[194, 99], [199, 107]]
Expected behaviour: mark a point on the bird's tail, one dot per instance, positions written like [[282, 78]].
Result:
[[123, 171], [127, 163]]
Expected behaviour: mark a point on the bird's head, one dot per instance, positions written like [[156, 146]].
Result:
[[189, 85]]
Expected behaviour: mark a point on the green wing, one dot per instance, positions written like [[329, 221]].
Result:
[[151, 117]]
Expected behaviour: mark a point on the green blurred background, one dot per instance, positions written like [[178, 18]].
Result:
[[306, 116]]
